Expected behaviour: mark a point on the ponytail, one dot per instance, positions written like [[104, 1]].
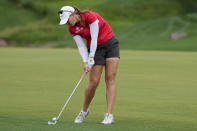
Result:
[[78, 11]]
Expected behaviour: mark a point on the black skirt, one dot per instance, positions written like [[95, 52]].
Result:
[[109, 49]]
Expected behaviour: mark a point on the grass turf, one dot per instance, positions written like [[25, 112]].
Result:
[[156, 91]]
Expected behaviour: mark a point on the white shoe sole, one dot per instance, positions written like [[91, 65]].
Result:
[[108, 123], [78, 122]]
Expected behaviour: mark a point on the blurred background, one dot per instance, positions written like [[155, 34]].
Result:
[[138, 24]]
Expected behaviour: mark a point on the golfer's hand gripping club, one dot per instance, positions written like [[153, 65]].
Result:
[[90, 62]]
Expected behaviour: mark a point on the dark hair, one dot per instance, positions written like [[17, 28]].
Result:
[[78, 11]]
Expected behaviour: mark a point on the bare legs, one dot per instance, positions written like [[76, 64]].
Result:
[[110, 79], [95, 75]]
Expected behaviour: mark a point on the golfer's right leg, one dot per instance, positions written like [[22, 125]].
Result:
[[94, 78]]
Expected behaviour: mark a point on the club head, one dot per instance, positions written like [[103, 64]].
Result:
[[52, 123]]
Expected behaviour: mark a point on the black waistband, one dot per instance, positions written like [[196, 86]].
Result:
[[109, 42]]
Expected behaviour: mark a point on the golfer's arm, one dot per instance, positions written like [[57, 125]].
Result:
[[81, 47], [94, 30]]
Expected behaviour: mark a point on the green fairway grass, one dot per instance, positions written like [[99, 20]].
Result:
[[156, 91]]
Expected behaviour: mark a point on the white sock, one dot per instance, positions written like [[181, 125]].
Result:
[[84, 111], [109, 114]]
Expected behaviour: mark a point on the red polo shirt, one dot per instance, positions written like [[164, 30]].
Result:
[[105, 31]]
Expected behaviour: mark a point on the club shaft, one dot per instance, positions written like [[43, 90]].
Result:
[[71, 95]]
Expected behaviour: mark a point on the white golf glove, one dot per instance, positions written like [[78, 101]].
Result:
[[90, 62]]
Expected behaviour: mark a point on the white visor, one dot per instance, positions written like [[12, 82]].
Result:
[[66, 11]]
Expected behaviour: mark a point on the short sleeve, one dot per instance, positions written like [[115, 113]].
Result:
[[91, 18], [71, 31]]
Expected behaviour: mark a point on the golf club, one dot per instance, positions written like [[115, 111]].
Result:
[[55, 119]]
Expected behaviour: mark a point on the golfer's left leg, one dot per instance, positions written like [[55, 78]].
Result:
[[111, 68]]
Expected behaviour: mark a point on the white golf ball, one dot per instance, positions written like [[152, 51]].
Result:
[[54, 119]]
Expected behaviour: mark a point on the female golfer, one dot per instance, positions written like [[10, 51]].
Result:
[[101, 50]]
